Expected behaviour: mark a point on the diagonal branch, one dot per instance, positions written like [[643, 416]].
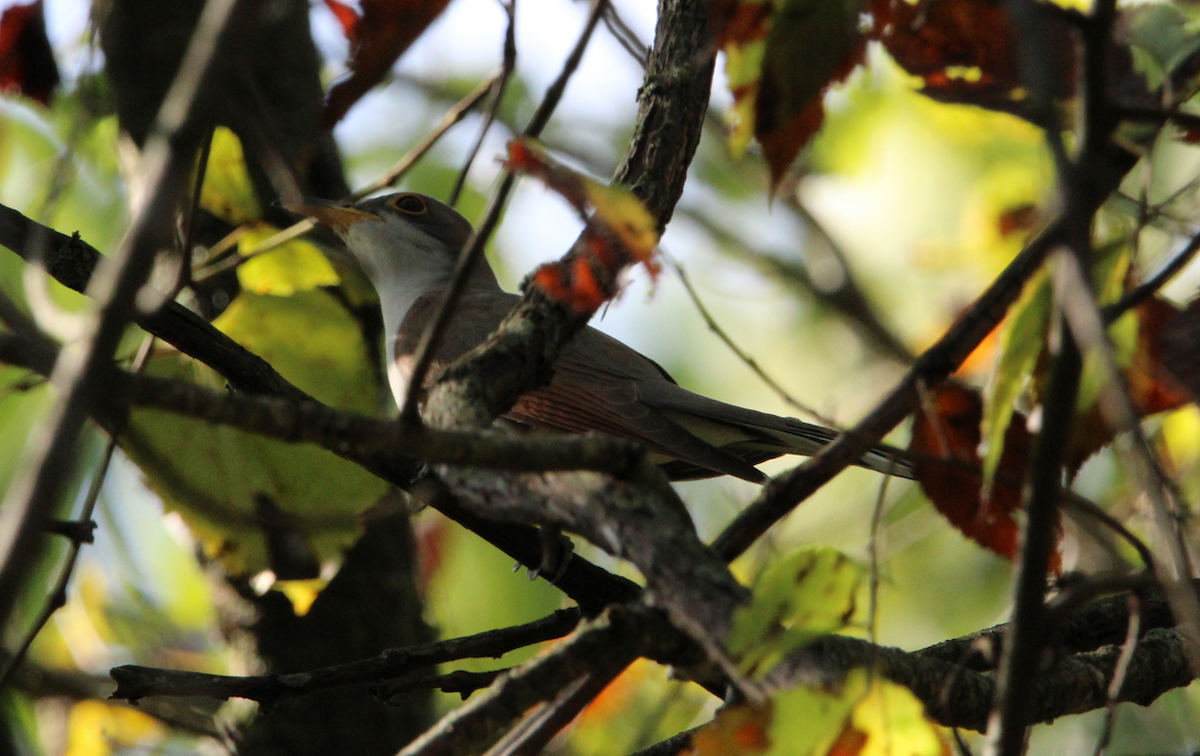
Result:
[[163, 169], [72, 261]]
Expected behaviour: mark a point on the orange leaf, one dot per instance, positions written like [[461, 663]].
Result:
[[384, 32], [1024, 217], [945, 456], [735, 731], [621, 231], [850, 742], [26, 61]]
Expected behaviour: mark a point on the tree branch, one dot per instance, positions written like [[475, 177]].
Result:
[[72, 261], [162, 171], [134, 682]]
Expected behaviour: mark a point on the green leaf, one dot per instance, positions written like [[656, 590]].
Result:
[[283, 270], [1021, 343], [218, 477], [311, 340], [810, 592], [228, 192]]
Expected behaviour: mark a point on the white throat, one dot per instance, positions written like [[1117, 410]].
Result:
[[404, 263]]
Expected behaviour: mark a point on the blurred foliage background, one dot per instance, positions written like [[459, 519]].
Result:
[[905, 195]]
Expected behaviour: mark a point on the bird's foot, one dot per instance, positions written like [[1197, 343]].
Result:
[[557, 550]]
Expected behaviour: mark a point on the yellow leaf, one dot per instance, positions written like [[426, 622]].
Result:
[[228, 192], [94, 727], [894, 723], [295, 265], [302, 593], [625, 215]]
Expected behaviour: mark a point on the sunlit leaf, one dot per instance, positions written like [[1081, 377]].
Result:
[[228, 192], [239, 491], [1022, 341], [296, 265], [891, 721], [808, 593], [311, 340], [864, 715], [94, 728]]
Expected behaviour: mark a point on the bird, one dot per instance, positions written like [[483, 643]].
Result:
[[408, 245]]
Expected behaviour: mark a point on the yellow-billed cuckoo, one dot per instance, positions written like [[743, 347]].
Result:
[[408, 245]]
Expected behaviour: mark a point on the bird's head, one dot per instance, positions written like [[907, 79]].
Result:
[[404, 242]]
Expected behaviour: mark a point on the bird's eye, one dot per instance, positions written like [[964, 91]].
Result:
[[410, 204]]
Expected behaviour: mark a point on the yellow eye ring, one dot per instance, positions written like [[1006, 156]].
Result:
[[410, 204]]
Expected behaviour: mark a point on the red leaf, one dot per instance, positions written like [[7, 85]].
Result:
[[963, 49], [384, 32], [741, 730], [740, 22], [1152, 382], [945, 456], [620, 231], [26, 61], [1165, 343], [1024, 217], [346, 16], [791, 105], [1177, 341]]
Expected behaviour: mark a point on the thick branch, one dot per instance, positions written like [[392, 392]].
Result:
[[696, 589], [364, 441], [957, 697]]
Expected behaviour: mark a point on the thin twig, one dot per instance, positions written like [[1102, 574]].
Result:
[[453, 116], [1086, 323], [50, 452], [627, 38], [783, 494], [1091, 509], [538, 728], [432, 337], [57, 597], [745, 358], [849, 298], [1132, 635], [601, 651], [1150, 286], [139, 682], [1019, 667], [499, 86], [184, 277]]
